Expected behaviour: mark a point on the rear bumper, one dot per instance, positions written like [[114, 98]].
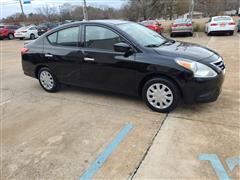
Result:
[[203, 90], [182, 31]]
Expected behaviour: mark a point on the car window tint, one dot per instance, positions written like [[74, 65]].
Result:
[[101, 38], [68, 37], [53, 38]]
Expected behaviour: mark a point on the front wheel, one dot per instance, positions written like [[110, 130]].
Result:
[[47, 80], [32, 36], [161, 95]]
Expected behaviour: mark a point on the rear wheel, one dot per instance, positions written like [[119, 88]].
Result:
[[161, 95], [190, 34], [10, 36], [209, 33], [231, 33], [172, 35], [47, 80]]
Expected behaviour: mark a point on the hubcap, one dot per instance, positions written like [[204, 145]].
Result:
[[46, 80], [10, 36], [159, 96]]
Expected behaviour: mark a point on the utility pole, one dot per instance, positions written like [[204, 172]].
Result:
[[85, 14], [191, 8], [21, 7]]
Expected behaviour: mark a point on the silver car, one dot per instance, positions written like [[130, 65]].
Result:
[[182, 26]]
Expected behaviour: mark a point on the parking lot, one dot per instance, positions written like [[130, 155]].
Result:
[[60, 135]]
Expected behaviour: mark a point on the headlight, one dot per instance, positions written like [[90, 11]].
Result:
[[199, 70]]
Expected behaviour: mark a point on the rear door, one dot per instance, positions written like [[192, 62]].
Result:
[[102, 67], [62, 54]]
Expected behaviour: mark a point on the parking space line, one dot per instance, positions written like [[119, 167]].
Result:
[[5, 102], [89, 173]]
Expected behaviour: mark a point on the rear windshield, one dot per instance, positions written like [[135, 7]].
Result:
[[182, 21], [149, 23], [222, 18]]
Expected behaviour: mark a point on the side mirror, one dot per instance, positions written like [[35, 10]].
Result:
[[124, 48]]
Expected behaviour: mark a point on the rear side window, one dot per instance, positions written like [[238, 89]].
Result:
[[101, 38], [53, 38], [66, 37]]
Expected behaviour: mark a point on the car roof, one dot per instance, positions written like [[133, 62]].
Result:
[[101, 21]]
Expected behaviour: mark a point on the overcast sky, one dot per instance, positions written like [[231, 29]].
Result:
[[9, 7]]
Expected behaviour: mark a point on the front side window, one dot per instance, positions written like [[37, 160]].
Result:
[[68, 37], [100, 38]]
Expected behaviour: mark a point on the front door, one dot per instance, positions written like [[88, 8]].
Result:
[[102, 67]]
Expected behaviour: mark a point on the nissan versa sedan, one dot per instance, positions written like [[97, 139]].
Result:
[[125, 57]]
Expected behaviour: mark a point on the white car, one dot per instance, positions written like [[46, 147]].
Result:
[[29, 32], [220, 24]]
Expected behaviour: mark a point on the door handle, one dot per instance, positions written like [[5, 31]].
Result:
[[89, 59], [48, 55]]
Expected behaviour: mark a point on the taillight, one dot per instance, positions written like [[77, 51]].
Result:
[[174, 25], [214, 24], [188, 25], [232, 23], [24, 51]]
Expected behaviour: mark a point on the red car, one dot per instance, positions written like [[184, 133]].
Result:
[[7, 31], [154, 25]]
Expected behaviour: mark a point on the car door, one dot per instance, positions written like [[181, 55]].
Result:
[[62, 54], [102, 67]]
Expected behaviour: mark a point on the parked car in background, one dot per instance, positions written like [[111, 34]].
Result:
[[28, 32], [238, 27], [182, 26], [125, 57], [7, 31], [42, 28], [153, 24], [220, 24]]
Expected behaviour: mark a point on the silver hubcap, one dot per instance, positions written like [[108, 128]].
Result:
[[46, 80], [159, 96]]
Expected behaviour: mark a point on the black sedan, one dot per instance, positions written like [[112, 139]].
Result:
[[125, 57]]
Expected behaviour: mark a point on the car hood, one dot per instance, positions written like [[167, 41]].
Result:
[[185, 50]]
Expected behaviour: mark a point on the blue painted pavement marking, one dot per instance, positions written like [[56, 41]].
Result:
[[88, 174], [216, 164], [233, 162]]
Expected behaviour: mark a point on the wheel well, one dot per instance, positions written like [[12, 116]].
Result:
[[37, 70], [151, 76]]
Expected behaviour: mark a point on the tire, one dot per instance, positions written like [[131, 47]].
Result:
[[231, 33], [21, 38], [209, 33], [158, 101], [10, 36], [172, 35], [191, 34], [47, 80], [32, 36]]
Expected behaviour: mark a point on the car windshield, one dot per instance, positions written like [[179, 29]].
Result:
[[142, 35]]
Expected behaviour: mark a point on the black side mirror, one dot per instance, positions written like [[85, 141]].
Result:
[[123, 47]]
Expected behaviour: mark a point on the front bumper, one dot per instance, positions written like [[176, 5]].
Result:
[[203, 90]]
